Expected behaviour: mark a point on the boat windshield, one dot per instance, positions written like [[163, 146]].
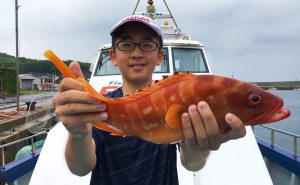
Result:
[[105, 67], [189, 59]]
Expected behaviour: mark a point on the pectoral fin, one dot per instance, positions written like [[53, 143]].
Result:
[[103, 126], [173, 116]]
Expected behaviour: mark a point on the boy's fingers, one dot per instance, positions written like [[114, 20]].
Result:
[[75, 67], [70, 84], [188, 131], [79, 108], [74, 121], [236, 124], [73, 96]]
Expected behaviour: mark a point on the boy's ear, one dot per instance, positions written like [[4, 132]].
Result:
[[112, 56]]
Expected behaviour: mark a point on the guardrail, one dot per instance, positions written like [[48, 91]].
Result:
[[2, 147], [274, 130]]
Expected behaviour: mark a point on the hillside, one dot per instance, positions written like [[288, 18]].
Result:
[[36, 66]]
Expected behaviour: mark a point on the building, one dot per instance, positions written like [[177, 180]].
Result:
[[38, 82], [29, 82]]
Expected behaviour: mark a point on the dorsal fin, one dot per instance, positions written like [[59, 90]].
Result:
[[165, 76], [163, 83]]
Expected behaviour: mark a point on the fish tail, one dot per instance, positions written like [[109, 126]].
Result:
[[103, 126], [59, 64], [91, 90], [67, 72]]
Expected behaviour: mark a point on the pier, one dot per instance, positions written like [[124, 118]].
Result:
[[22, 124], [282, 85]]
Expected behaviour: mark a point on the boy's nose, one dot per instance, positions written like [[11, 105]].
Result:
[[137, 52]]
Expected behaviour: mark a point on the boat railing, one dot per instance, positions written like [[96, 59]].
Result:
[[31, 138], [274, 131]]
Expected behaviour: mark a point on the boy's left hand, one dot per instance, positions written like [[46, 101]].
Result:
[[202, 134]]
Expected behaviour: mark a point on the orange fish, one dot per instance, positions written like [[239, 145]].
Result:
[[154, 114]]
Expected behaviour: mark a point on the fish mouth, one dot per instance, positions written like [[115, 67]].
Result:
[[280, 114], [276, 114]]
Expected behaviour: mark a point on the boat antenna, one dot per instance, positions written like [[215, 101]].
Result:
[[151, 12], [136, 7], [170, 14]]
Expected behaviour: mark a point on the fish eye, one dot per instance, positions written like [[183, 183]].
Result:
[[254, 100]]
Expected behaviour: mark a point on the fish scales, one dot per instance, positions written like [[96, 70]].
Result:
[[154, 114], [143, 109]]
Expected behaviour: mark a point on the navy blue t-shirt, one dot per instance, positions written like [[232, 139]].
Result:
[[132, 161]]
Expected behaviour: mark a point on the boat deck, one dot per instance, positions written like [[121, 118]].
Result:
[[236, 162]]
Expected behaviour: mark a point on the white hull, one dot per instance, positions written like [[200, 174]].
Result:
[[235, 163]]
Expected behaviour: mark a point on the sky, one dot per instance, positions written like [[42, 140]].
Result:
[[251, 40]]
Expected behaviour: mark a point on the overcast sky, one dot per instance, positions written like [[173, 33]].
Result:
[[253, 40]]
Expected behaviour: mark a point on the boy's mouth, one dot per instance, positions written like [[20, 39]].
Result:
[[137, 66]]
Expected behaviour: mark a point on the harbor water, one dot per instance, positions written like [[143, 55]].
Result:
[[291, 124]]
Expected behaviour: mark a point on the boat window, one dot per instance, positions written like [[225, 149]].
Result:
[[105, 67], [189, 59], [164, 66]]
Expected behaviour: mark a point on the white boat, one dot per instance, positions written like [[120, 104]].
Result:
[[236, 162]]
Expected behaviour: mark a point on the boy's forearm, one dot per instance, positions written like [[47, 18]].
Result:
[[80, 154], [193, 160]]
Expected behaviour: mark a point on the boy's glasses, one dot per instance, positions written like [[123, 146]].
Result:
[[144, 45]]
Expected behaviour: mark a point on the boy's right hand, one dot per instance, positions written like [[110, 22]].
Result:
[[75, 107]]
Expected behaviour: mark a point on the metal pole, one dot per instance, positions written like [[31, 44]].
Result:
[[17, 52], [32, 145], [3, 156], [272, 138], [295, 146], [136, 7], [170, 13]]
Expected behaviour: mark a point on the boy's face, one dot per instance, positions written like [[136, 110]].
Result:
[[136, 66]]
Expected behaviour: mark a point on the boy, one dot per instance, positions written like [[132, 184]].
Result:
[[137, 49]]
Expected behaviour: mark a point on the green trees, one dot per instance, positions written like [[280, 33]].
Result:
[[42, 67], [36, 66], [8, 81]]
